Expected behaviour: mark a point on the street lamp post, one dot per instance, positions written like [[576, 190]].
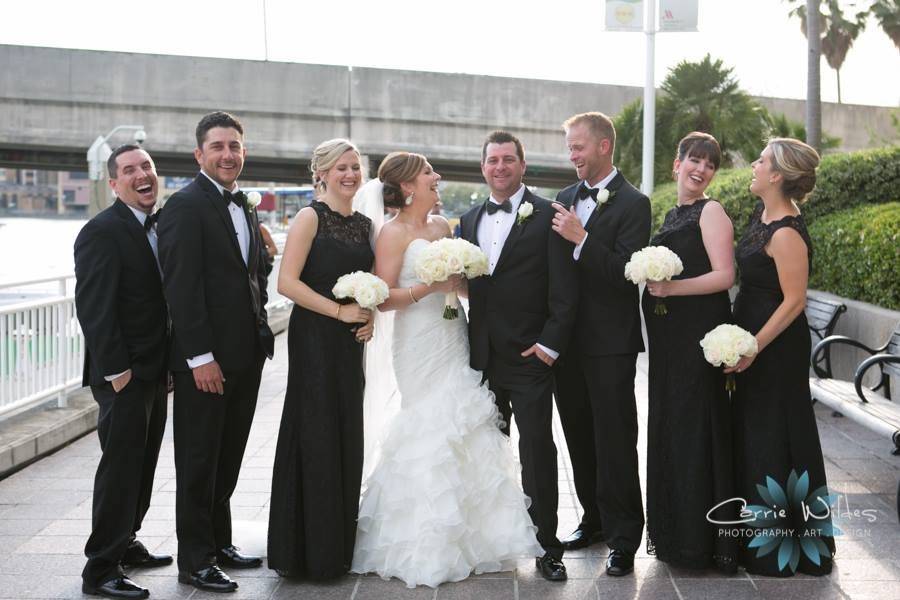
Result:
[[97, 155]]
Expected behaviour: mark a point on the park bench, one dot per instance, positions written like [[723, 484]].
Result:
[[822, 315], [856, 402]]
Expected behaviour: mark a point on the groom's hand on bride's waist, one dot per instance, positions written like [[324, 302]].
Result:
[[543, 356]]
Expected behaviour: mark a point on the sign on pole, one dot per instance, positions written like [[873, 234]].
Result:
[[678, 15], [624, 15]]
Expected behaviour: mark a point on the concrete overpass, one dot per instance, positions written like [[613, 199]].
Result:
[[55, 102]]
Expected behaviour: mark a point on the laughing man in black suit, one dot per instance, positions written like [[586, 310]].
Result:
[[215, 283], [608, 219], [520, 319], [120, 304]]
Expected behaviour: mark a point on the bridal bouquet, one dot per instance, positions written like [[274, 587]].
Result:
[[725, 345], [366, 289], [450, 256], [653, 263]]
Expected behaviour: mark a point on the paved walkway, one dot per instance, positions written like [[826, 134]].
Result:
[[45, 514]]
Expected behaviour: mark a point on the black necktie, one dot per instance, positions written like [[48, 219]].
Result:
[[150, 221], [585, 192], [240, 199], [493, 207]]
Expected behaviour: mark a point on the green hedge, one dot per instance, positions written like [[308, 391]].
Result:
[[844, 180], [856, 253]]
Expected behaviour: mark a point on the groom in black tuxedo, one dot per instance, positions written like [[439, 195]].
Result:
[[120, 304], [215, 283], [520, 319], [608, 219]]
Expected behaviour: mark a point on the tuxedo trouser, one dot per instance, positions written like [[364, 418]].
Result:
[[531, 405], [130, 426], [211, 432], [596, 403]]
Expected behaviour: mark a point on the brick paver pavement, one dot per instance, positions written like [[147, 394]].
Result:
[[45, 514]]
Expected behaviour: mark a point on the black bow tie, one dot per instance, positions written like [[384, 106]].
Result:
[[585, 192], [150, 221], [239, 198], [493, 207]]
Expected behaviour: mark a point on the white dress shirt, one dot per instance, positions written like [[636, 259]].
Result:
[[242, 231], [585, 207], [141, 216], [492, 233]]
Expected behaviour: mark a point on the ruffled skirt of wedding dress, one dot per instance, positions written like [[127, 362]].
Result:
[[444, 499]]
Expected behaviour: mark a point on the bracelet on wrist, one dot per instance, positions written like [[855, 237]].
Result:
[[411, 296], [337, 313]]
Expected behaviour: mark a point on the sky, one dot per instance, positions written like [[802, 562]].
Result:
[[559, 40]]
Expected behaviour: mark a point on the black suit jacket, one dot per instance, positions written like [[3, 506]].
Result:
[[217, 302], [531, 295], [609, 320], [119, 298]]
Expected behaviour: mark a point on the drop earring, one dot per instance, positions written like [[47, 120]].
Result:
[[409, 199]]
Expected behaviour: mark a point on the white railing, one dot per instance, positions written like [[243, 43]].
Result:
[[41, 346]]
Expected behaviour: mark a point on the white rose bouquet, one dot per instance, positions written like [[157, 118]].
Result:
[[448, 256], [366, 289], [653, 263], [725, 345]]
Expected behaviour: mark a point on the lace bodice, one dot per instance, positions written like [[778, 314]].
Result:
[[680, 217], [758, 233], [341, 246], [352, 229]]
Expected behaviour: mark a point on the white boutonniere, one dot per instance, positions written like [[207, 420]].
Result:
[[253, 199], [526, 209], [603, 196]]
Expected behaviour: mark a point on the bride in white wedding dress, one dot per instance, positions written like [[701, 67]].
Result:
[[443, 498]]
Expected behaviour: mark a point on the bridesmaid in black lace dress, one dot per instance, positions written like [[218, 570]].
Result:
[[319, 457], [689, 466], [774, 425]]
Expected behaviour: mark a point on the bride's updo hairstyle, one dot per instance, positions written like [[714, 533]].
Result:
[[397, 168], [797, 164], [326, 156]]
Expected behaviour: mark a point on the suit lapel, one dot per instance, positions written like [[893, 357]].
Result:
[[137, 233], [514, 233], [613, 187], [218, 202], [471, 232]]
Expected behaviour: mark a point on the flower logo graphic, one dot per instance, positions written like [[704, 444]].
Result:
[[792, 521]]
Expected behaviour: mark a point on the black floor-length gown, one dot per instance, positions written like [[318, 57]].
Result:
[[689, 443], [319, 457], [775, 429]]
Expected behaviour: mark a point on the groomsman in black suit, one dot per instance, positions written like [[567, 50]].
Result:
[[607, 219], [215, 283], [120, 304], [520, 319]]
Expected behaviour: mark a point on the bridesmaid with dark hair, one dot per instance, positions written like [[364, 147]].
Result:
[[774, 424], [689, 466], [317, 474]]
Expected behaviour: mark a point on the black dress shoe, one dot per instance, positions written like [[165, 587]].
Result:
[[619, 563], [230, 557], [137, 556], [211, 579], [120, 587], [552, 569], [582, 537]]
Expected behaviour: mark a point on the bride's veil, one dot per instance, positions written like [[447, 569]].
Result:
[[382, 399]]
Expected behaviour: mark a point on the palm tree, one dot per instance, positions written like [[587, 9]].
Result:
[[837, 33], [833, 34], [813, 78], [701, 96], [887, 13]]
